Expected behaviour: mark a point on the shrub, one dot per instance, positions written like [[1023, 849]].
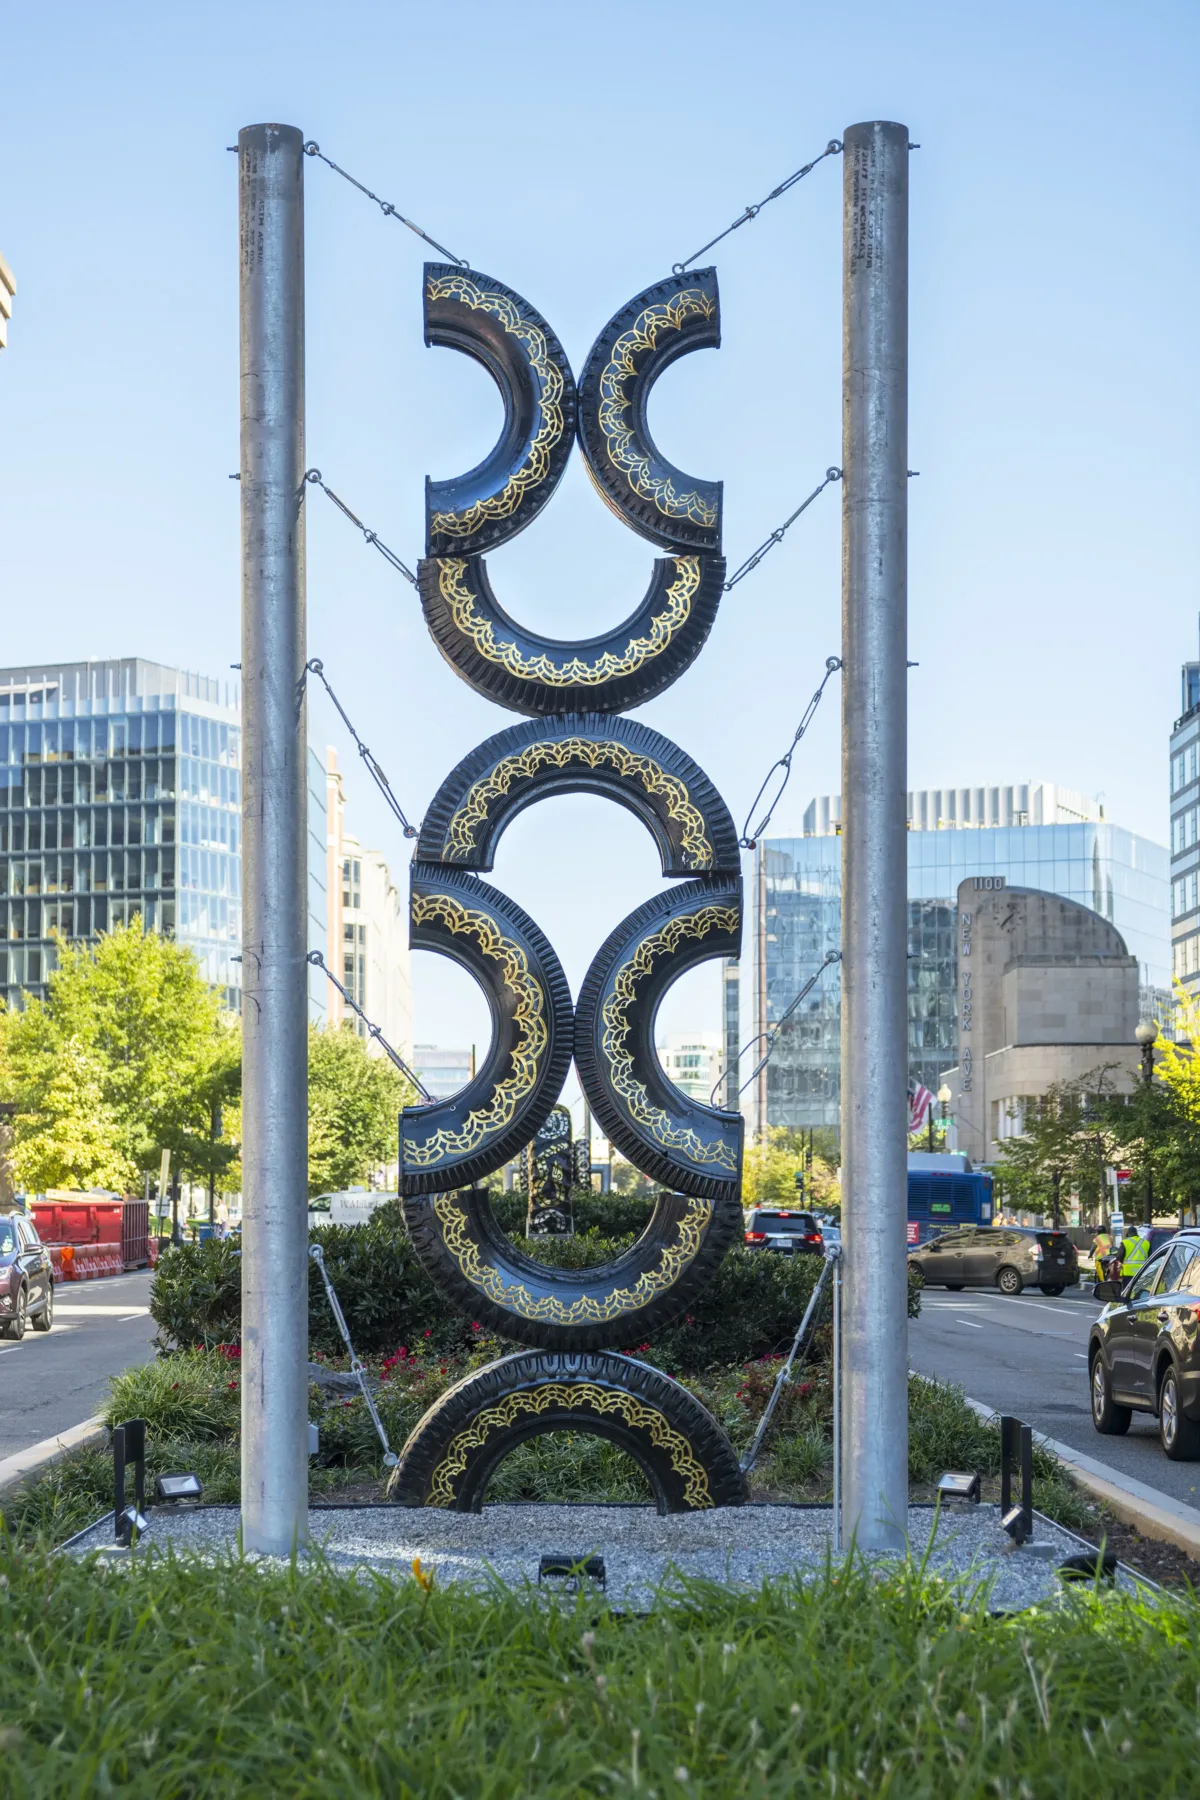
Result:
[[751, 1307]]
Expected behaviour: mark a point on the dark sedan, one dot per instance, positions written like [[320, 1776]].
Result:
[[26, 1278], [1144, 1349]]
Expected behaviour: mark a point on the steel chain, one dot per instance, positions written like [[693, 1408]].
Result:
[[315, 667], [376, 542], [312, 148], [772, 1035], [777, 536], [749, 838], [832, 148], [390, 1459], [318, 962]]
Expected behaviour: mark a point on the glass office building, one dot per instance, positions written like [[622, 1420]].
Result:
[[121, 794], [797, 919]]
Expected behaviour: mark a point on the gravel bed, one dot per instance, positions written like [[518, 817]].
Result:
[[643, 1552]]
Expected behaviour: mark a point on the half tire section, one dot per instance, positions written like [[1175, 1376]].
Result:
[[454, 1451], [489, 1278]]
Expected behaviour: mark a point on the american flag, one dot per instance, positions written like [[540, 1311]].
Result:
[[919, 1102]]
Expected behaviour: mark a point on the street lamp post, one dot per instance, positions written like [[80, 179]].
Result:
[[1146, 1035]]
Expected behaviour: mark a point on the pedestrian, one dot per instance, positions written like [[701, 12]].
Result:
[[1102, 1245], [1134, 1250]]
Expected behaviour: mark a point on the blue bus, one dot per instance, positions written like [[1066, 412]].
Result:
[[942, 1198]]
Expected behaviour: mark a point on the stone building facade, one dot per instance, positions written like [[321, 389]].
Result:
[[1047, 992]]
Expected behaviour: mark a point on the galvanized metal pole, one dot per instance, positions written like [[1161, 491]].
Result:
[[274, 971], [874, 873]]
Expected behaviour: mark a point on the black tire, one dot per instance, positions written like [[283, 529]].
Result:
[[1108, 1418], [1008, 1280], [484, 1274], [1052, 1290], [15, 1327], [955, 1287], [684, 1145], [44, 1320], [1179, 1435], [451, 1456]]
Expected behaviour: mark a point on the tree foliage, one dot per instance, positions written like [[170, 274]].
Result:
[[354, 1103], [1071, 1134], [128, 1055], [770, 1168]]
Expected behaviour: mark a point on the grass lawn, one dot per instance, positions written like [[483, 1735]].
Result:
[[178, 1680]]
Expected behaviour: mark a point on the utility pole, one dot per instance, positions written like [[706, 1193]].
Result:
[[274, 970], [874, 851]]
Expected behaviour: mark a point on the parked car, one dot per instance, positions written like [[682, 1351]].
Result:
[[26, 1278], [779, 1228], [1005, 1256], [1144, 1349]]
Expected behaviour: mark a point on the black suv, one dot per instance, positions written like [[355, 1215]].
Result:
[[26, 1277], [1144, 1349], [1003, 1256], [779, 1228]]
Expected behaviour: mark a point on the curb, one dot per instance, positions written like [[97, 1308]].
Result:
[[17, 1469], [1155, 1514]]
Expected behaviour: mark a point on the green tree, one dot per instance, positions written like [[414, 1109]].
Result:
[[1173, 1127], [121, 1060], [354, 1103], [1070, 1135], [770, 1168]]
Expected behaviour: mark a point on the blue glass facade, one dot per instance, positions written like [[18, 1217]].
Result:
[[121, 794], [798, 918]]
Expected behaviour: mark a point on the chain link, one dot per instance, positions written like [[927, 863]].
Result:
[[377, 543], [315, 667], [749, 838], [780, 531], [771, 1036], [410, 1075], [390, 1459], [312, 148], [832, 148]]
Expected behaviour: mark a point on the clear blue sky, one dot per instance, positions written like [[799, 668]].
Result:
[[576, 152]]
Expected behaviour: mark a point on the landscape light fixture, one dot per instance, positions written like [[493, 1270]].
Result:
[[130, 1521], [177, 1487], [956, 1485], [1017, 1523], [559, 1566]]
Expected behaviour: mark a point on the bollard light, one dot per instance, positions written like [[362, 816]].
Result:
[[177, 1487]]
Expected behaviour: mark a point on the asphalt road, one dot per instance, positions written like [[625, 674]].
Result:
[[1028, 1356], [55, 1379]]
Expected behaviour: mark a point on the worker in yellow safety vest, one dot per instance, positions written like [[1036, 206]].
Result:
[[1134, 1251], [1102, 1247]]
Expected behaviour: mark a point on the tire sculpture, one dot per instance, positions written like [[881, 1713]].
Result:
[[685, 1456], [576, 1320]]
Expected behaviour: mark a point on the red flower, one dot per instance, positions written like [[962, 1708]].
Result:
[[475, 1325], [428, 1332], [232, 1385], [443, 1370], [805, 1389]]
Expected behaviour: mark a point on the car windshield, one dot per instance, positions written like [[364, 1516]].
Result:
[[777, 1222], [8, 1237]]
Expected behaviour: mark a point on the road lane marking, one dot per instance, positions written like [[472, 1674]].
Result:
[[129, 1317], [1082, 1355], [68, 1311], [1005, 1300], [970, 1322]]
